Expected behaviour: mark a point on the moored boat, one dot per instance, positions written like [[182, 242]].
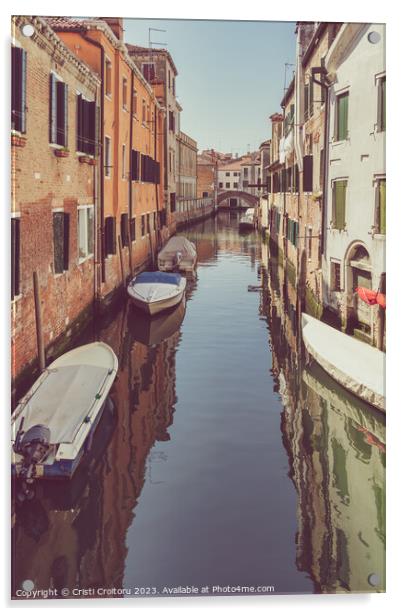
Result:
[[54, 423], [178, 254], [247, 221], [154, 292], [356, 365]]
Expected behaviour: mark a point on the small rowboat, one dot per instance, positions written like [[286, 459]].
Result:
[[153, 292], [247, 221], [54, 423]]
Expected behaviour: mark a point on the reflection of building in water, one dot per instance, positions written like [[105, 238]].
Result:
[[335, 445], [82, 544]]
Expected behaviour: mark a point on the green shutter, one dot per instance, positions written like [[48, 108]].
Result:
[[339, 196], [382, 206], [342, 116]]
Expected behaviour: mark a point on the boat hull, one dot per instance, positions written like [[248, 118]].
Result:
[[355, 365], [156, 307]]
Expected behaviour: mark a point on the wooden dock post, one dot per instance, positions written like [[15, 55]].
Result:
[[38, 319], [121, 261]]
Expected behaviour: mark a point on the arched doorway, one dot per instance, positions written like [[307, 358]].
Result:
[[358, 273]]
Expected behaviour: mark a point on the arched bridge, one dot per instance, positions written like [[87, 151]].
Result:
[[252, 200]]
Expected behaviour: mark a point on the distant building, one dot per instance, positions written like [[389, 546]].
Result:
[[186, 158]]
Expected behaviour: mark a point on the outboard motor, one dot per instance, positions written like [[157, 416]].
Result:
[[33, 446]]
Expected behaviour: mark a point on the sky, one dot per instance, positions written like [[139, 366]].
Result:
[[231, 76]]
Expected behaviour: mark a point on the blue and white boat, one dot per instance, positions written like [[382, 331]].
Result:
[[54, 423], [153, 292]]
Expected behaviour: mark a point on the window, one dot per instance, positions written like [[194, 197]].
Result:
[[61, 236], [124, 93], [143, 225], [148, 70], [135, 109], [110, 235], [132, 229], [342, 105], [307, 173], [15, 257], [85, 231], [245, 183], [174, 86], [171, 121], [123, 162], [335, 276], [107, 157], [144, 112], [235, 185], [311, 98], [86, 126], [381, 121], [380, 218], [18, 89], [58, 98], [169, 79], [108, 77], [124, 229], [220, 184], [227, 184], [227, 174], [135, 165], [245, 172], [150, 169], [309, 242], [205, 194], [172, 202], [306, 101], [148, 224], [339, 204]]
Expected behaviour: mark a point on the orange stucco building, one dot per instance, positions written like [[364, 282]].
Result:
[[132, 218]]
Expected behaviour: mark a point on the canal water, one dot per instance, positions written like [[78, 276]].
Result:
[[226, 462]]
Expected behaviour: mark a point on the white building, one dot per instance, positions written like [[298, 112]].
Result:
[[354, 221]]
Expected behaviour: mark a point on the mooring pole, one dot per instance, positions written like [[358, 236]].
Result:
[[121, 261], [38, 319]]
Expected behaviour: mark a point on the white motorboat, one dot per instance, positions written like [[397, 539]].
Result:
[[358, 367], [178, 254], [53, 425], [247, 221], [153, 292]]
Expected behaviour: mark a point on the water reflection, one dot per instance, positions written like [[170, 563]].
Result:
[[226, 460], [336, 448]]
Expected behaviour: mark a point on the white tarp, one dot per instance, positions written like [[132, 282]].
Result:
[[178, 244], [63, 400], [356, 365]]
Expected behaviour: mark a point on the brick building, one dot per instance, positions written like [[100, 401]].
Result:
[[132, 207], [54, 199]]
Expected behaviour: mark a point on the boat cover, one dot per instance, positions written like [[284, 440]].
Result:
[[178, 244], [356, 365], [158, 277], [63, 400]]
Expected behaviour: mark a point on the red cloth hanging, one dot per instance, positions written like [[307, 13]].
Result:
[[371, 297]]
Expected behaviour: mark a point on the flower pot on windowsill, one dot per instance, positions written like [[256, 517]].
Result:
[[85, 159], [92, 161], [62, 153], [18, 140]]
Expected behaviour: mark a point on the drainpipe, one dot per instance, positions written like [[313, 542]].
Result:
[[321, 70], [130, 186], [102, 170]]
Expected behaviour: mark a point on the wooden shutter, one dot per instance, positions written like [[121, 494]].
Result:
[[66, 241], [124, 229], [23, 90], [135, 165], [61, 113], [91, 127], [15, 257], [311, 98], [79, 123], [52, 109], [307, 173], [342, 116], [339, 196], [306, 105], [58, 242], [18, 89], [110, 235], [382, 206]]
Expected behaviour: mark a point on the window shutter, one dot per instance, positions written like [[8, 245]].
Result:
[[52, 110], [61, 113], [311, 98], [97, 130], [382, 196], [342, 107], [91, 127], [15, 257], [110, 232], [79, 123], [306, 106], [124, 229], [18, 89], [58, 241], [66, 241], [307, 173], [340, 200]]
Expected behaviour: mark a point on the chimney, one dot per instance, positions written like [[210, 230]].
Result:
[[116, 25]]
